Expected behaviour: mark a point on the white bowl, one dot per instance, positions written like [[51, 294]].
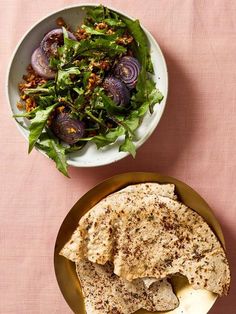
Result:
[[89, 156]]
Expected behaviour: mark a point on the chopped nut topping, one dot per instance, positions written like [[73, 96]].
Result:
[[20, 106], [81, 34], [124, 40], [93, 81], [110, 32], [60, 109], [60, 22], [103, 64], [29, 104], [101, 25]]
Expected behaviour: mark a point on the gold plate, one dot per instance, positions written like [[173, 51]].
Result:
[[191, 301]]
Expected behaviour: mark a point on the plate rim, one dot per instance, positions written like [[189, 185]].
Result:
[[123, 180]]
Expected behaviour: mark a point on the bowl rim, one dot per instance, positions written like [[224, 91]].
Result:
[[163, 103]]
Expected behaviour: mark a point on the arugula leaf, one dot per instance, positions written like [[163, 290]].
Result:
[[92, 31], [109, 47], [97, 14], [141, 110], [103, 14], [55, 151], [140, 38], [147, 93], [142, 52], [102, 140], [45, 101], [44, 95], [37, 125], [128, 146], [149, 65], [98, 120], [53, 63], [79, 101], [79, 90], [114, 22], [95, 54], [66, 52], [153, 95], [75, 147], [45, 89], [64, 77], [71, 49], [96, 101], [103, 32], [86, 76], [132, 122], [142, 47], [29, 115]]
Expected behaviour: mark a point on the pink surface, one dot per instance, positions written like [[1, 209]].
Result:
[[195, 142]]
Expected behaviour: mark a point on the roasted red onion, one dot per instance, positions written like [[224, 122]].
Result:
[[67, 129], [53, 40], [117, 90], [40, 64], [127, 70]]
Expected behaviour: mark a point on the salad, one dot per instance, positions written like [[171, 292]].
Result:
[[93, 84]]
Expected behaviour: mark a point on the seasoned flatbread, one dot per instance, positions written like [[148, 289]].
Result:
[[169, 238], [74, 248], [167, 190], [106, 293], [154, 236], [150, 236]]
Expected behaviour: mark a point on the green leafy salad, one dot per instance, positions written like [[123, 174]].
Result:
[[93, 84]]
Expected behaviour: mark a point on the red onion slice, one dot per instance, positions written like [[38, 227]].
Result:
[[53, 40], [67, 129], [128, 70], [40, 64], [117, 90]]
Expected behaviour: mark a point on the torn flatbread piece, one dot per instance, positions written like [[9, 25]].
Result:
[[75, 247], [169, 238], [105, 293], [167, 190], [154, 236]]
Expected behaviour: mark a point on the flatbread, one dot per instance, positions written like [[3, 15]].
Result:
[[148, 236], [154, 236], [75, 247], [175, 239], [167, 190], [106, 293]]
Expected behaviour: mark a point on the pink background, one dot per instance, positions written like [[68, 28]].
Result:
[[195, 142]]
